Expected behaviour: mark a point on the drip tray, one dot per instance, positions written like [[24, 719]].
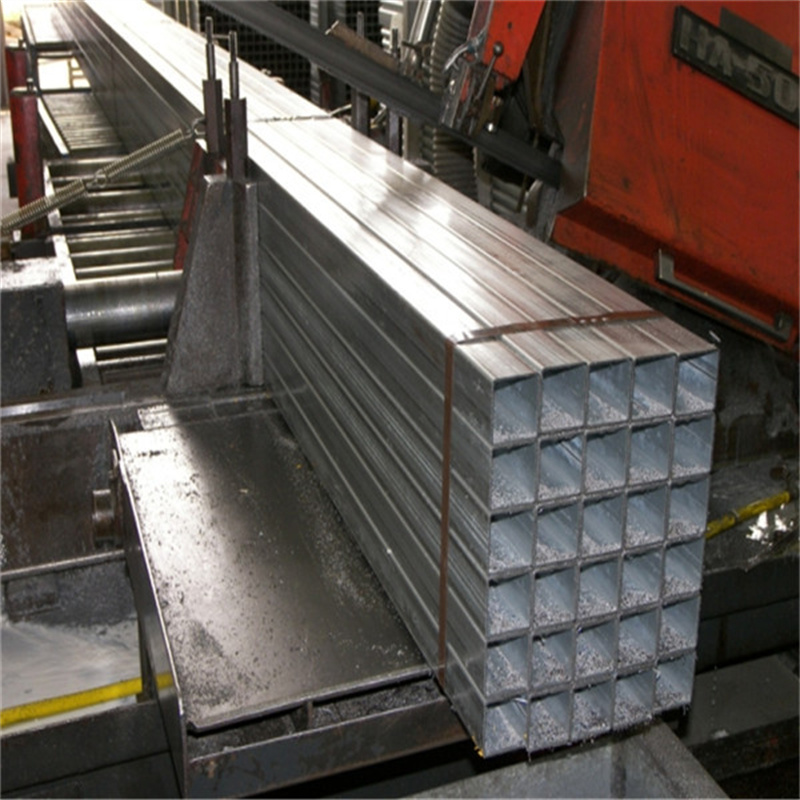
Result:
[[252, 597]]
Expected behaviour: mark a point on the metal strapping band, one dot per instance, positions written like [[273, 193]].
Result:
[[484, 334], [473, 337]]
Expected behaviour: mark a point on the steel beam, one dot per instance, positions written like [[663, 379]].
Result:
[[324, 740]]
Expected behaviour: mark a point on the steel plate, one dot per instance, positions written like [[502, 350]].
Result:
[[266, 601]]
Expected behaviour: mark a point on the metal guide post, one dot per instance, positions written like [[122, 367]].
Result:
[[236, 114], [17, 66], [395, 123], [24, 105], [215, 334], [245, 232], [245, 235], [206, 161], [359, 115], [212, 98]]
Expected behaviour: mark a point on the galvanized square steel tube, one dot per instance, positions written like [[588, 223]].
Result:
[[521, 449]]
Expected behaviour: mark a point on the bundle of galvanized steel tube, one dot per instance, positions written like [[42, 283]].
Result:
[[521, 450]]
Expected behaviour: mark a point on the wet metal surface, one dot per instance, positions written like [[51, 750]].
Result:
[[648, 763], [266, 601]]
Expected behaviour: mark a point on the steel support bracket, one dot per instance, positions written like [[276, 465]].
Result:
[[215, 335]]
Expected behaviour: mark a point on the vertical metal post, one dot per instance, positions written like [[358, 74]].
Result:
[[326, 91], [194, 15], [17, 66], [212, 98], [236, 114], [395, 122], [24, 107], [245, 233], [359, 114]]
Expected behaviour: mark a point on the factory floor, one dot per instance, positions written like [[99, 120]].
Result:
[[41, 662]]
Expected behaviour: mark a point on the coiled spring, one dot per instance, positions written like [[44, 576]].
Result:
[[79, 188], [43, 206]]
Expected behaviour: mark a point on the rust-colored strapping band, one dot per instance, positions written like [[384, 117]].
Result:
[[482, 335]]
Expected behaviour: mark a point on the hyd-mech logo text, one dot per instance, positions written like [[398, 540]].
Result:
[[734, 64]]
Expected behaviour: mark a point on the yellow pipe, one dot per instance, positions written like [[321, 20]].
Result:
[[71, 702], [746, 512]]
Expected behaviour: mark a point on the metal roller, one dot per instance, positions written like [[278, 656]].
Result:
[[104, 312]]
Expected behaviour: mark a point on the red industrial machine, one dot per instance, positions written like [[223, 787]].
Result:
[[677, 130]]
